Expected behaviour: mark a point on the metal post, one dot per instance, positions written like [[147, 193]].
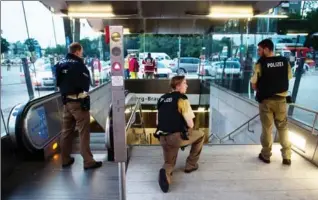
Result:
[[179, 55], [118, 104], [27, 77], [122, 180], [314, 124], [53, 24], [299, 71]]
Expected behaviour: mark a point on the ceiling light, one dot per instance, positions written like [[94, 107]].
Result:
[[296, 34], [231, 12], [271, 16], [90, 15], [88, 8], [126, 31]]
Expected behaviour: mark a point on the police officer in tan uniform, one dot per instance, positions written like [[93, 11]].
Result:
[[73, 80], [270, 80], [175, 129]]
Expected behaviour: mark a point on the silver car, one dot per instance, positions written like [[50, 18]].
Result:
[[187, 65]]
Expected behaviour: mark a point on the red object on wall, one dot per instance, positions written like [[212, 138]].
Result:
[[107, 34]]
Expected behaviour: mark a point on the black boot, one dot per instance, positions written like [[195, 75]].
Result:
[[163, 181]]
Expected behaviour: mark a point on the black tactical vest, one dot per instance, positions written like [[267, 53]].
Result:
[[170, 120], [274, 77]]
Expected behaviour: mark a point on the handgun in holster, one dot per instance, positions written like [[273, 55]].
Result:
[[156, 134]]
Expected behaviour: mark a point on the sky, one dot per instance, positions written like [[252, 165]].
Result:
[[39, 20]]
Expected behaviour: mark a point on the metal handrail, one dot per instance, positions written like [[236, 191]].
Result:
[[308, 110], [252, 131], [248, 128], [232, 132], [303, 108], [132, 116]]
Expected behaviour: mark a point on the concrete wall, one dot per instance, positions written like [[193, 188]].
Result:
[[229, 111]]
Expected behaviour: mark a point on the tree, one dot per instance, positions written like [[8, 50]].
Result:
[[31, 43], [18, 48], [4, 45], [59, 50], [285, 40], [307, 7], [90, 47], [311, 19]]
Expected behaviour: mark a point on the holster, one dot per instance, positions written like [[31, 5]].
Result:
[[185, 135], [86, 103], [289, 99]]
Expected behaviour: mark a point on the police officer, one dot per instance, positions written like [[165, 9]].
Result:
[[73, 81], [175, 130], [270, 80]]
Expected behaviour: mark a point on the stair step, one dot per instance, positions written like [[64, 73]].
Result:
[[97, 142]]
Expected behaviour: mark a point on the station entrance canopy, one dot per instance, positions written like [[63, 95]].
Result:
[[161, 17]]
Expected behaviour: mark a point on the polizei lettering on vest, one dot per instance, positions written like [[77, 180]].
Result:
[[275, 64]]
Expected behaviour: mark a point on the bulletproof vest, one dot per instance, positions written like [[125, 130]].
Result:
[[170, 120], [274, 77]]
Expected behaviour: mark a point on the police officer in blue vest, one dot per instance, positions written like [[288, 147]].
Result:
[[73, 80], [271, 80]]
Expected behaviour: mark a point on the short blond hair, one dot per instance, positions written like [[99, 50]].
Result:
[[175, 81]]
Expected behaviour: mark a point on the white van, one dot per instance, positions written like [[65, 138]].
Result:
[[162, 57]]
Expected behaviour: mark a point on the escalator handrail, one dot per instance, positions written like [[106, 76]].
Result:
[[128, 97], [129, 123], [21, 127], [22, 114]]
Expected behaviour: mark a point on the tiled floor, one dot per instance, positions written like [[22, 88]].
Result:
[[49, 181], [226, 172]]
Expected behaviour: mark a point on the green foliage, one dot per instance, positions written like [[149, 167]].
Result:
[[191, 45], [4, 45], [90, 47], [31, 43], [59, 50]]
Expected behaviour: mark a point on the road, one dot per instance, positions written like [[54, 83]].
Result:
[[14, 92]]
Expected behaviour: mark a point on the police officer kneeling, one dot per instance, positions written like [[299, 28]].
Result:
[[175, 129], [270, 80], [73, 80]]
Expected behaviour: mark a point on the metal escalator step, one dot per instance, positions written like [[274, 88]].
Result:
[[97, 142]]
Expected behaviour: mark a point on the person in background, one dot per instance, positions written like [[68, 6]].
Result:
[[133, 67], [127, 59], [271, 80], [149, 67]]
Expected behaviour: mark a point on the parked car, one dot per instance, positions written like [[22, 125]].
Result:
[[163, 71], [205, 69], [232, 69], [186, 65], [43, 77]]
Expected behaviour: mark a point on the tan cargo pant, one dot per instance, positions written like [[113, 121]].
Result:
[[171, 144], [73, 115], [272, 111]]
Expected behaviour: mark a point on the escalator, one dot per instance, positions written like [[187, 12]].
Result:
[[35, 129]]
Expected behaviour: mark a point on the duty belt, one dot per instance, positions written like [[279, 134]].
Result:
[[78, 96]]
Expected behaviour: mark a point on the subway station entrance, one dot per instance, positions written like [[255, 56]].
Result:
[[212, 43]]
